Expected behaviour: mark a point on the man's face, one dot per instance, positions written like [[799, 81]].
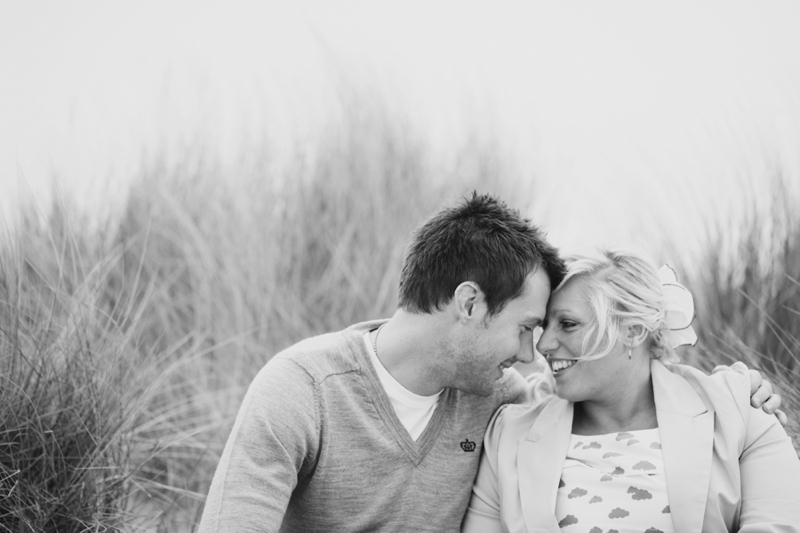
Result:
[[496, 343]]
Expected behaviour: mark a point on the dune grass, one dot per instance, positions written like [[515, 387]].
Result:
[[126, 348], [747, 284], [70, 394]]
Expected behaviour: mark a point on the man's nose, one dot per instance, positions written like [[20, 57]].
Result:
[[526, 354]]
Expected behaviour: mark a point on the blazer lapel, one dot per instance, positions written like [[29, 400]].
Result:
[[540, 459], [686, 428]]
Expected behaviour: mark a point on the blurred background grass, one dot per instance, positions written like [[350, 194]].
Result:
[[127, 346], [747, 288]]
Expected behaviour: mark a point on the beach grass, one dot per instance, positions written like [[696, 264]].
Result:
[[127, 346], [747, 284]]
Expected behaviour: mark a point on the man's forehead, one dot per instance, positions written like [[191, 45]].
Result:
[[534, 307], [538, 281], [533, 317], [539, 302]]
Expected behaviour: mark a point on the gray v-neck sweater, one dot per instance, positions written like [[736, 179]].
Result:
[[317, 446]]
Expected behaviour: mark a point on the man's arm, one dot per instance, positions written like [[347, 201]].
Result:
[[275, 432]]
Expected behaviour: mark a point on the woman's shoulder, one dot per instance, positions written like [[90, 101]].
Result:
[[724, 391], [734, 380], [513, 421]]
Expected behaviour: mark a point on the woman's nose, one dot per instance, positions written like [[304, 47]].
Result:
[[546, 342]]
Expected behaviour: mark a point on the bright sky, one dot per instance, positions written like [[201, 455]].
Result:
[[633, 117]]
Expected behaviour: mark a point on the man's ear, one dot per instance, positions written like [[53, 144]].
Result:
[[469, 301]]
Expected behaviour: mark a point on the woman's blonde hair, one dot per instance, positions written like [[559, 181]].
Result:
[[624, 292]]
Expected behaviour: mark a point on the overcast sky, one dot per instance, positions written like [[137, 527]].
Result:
[[608, 104]]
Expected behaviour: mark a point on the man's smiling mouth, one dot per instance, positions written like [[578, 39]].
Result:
[[506, 364]]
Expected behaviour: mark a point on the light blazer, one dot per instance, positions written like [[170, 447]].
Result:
[[728, 466]]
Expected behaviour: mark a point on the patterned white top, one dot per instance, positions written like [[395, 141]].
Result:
[[614, 483]]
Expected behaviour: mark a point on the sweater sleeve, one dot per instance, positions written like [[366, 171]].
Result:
[[769, 466], [274, 436]]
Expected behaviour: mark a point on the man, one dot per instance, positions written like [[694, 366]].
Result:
[[379, 427]]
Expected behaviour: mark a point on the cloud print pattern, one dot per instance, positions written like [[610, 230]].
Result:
[[614, 482]]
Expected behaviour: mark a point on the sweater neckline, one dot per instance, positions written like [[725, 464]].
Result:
[[416, 451]]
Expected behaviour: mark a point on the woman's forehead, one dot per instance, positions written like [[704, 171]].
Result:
[[572, 296]]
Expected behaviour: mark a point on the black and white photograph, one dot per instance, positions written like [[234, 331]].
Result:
[[379, 266]]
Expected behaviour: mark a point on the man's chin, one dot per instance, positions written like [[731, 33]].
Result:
[[481, 389], [480, 382]]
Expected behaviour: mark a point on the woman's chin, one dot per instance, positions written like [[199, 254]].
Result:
[[565, 392]]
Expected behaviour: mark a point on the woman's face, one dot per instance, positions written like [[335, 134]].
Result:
[[569, 320]]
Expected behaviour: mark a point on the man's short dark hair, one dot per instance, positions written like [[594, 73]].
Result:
[[480, 240]]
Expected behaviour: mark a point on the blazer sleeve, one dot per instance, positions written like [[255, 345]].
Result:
[[483, 513], [769, 467], [274, 438]]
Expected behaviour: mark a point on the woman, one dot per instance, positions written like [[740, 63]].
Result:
[[630, 442]]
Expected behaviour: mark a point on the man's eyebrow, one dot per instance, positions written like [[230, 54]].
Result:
[[532, 319]]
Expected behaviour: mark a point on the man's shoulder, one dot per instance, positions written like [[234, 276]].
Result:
[[324, 355]]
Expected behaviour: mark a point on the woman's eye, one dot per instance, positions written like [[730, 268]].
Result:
[[568, 324]]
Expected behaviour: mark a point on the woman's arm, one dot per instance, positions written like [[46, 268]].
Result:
[[483, 514], [769, 469], [770, 473]]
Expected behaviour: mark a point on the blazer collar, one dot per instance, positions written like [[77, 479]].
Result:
[[673, 393], [540, 458], [686, 428]]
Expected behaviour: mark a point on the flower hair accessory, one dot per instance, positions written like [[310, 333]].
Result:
[[678, 308]]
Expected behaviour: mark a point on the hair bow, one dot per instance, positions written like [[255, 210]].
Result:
[[678, 308]]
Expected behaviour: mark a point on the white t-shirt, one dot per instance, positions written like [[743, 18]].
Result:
[[413, 410]]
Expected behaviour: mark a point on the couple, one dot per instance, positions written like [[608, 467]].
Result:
[[380, 427]]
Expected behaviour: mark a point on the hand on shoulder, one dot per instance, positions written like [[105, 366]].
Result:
[[762, 394]]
